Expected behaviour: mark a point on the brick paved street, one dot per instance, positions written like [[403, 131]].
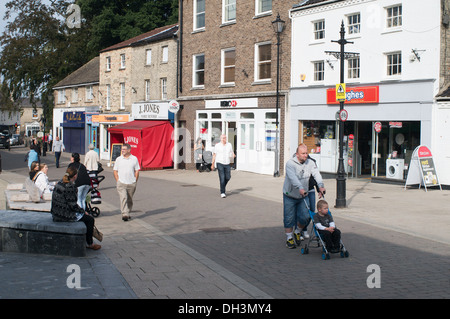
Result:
[[185, 242]]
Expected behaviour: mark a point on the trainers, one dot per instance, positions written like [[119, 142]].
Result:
[[290, 243], [305, 234], [297, 238], [223, 195]]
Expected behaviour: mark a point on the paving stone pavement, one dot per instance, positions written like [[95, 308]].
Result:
[[185, 242]]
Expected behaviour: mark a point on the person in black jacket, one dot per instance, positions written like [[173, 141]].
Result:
[[65, 208], [83, 181]]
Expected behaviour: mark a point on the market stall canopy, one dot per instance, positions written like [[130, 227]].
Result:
[[151, 141]]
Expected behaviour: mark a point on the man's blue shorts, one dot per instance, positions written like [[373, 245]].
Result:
[[294, 212]]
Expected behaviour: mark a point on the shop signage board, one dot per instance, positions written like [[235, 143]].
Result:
[[231, 103], [421, 169], [150, 110], [355, 95]]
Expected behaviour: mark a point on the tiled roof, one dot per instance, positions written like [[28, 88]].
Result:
[[88, 73], [157, 34]]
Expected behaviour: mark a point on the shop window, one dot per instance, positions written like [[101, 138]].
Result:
[[216, 115], [202, 115], [247, 116]]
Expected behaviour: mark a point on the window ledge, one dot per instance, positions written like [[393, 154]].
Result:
[[224, 24], [227, 85], [392, 30], [198, 31], [262, 82], [262, 15]]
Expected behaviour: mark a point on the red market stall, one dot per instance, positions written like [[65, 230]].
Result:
[[151, 141]]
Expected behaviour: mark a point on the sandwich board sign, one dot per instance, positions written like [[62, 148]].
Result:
[[421, 169]]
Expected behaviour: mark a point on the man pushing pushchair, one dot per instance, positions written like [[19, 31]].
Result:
[[299, 169]]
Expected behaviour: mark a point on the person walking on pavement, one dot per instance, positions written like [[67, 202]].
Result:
[[126, 172], [91, 160], [299, 169], [223, 151], [58, 147], [32, 156], [83, 181]]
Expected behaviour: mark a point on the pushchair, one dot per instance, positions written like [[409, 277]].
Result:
[[205, 165], [315, 236], [94, 196]]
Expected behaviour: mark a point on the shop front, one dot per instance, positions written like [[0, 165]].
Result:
[[386, 122], [74, 127], [103, 122], [250, 129]]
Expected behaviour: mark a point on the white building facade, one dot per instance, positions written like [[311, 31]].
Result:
[[392, 80]]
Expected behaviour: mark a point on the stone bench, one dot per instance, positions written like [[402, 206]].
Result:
[[26, 197], [36, 233]]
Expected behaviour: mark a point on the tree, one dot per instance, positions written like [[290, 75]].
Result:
[[37, 50], [111, 22], [39, 47]]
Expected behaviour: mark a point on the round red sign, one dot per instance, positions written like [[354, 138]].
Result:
[[377, 127]]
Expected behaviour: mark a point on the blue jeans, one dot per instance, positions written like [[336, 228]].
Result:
[[224, 175], [83, 190], [57, 156], [295, 212]]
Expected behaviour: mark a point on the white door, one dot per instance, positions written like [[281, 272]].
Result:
[[247, 159]]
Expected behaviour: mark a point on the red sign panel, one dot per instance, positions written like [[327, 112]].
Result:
[[356, 95], [424, 152]]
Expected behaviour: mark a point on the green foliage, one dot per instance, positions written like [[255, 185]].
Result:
[[39, 49]]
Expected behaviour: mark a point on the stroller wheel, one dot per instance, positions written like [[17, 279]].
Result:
[[304, 251], [325, 256], [95, 211], [344, 254]]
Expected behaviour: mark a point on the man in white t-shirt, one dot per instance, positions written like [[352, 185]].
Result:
[[126, 172], [223, 151]]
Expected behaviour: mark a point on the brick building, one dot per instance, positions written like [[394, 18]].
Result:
[[228, 79], [136, 72]]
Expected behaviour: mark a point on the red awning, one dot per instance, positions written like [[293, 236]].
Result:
[[151, 141]]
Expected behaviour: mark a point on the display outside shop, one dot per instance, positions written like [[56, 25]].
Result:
[[422, 170]]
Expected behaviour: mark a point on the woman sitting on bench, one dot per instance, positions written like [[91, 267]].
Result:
[[65, 208]]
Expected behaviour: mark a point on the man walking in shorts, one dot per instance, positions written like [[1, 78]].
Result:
[[299, 169], [126, 172]]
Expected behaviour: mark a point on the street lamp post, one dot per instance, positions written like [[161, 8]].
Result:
[[340, 179], [278, 27]]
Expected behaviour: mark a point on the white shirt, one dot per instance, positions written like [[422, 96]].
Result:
[[126, 168], [223, 153], [42, 183], [58, 146]]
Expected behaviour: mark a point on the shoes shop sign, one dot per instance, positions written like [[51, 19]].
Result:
[[356, 95]]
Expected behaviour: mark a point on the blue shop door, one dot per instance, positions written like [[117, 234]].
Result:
[[74, 140]]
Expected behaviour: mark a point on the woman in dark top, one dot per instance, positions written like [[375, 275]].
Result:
[[65, 208], [83, 181]]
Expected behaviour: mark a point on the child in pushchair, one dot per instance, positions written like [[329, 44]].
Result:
[[325, 232], [94, 196]]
